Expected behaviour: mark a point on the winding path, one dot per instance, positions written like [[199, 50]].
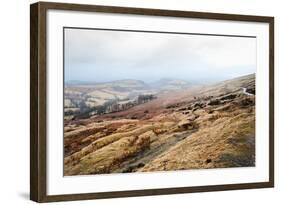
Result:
[[245, 92]]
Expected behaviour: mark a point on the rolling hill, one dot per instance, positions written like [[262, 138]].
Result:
[[202, 127]]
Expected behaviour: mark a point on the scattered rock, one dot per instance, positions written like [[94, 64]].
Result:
[[224, 107], [187, 125], [169, 106], [140, 165], [210, 111], [214, 102], [198, 105], [192, 117], [247, 102], [128, 170], [228, 97], [251, 90]]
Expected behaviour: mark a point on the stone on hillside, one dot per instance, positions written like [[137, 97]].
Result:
[[251, 90], [247, 102], [228, 97], [214, 102], [187, 125]]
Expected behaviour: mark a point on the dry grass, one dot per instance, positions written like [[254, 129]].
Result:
[[227, 142], [107, 158], [188, 134]]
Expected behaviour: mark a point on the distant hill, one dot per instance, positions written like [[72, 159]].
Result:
[[170, 84], [78, 82], [80, 95], [127, 84], [123, 84]]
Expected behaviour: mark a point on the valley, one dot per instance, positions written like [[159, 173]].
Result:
[[131, 126]]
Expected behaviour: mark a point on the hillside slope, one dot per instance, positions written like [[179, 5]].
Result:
[[203, 127]]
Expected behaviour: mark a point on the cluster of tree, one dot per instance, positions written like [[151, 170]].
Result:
[[102, 109], [110, 106], [70, 112], [145, 98], [116, 107], [83, 107]]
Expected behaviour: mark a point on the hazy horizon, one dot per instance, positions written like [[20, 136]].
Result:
[[103, 56], [151, 82]]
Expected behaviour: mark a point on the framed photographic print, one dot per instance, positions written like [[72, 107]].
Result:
[[134, 102]]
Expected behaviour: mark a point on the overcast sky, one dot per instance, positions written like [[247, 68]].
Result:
[[99, 56]]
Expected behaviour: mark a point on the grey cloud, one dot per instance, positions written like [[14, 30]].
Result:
[[146, 54]]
